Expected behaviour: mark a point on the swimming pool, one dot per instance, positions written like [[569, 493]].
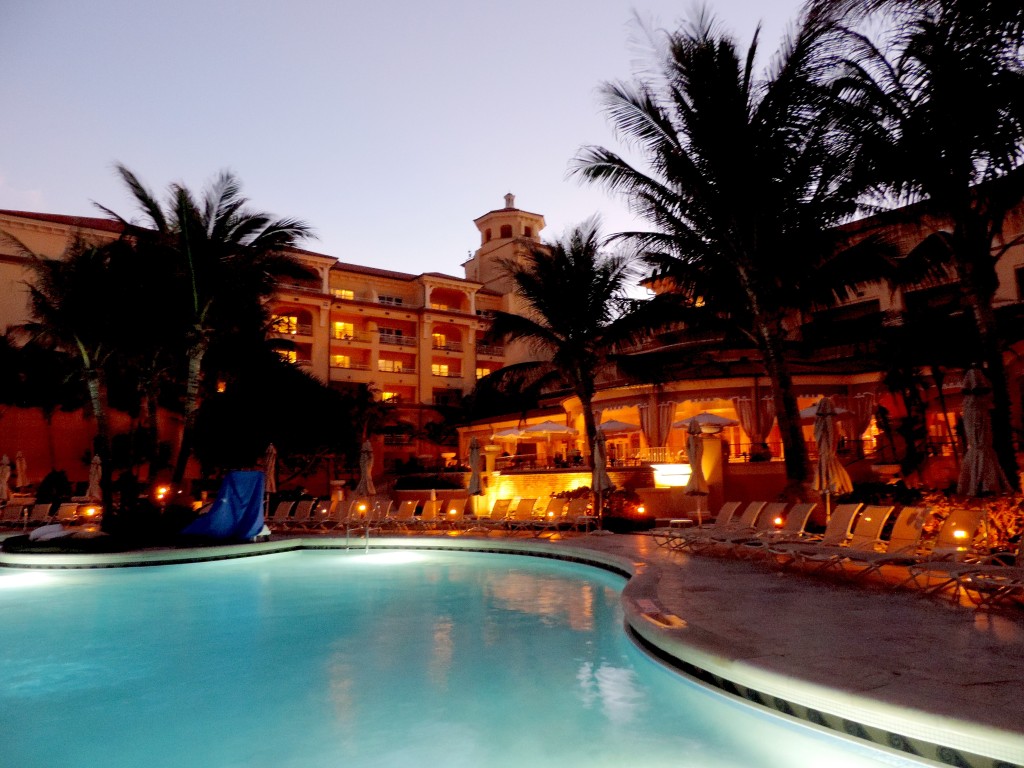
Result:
[[381, 659]]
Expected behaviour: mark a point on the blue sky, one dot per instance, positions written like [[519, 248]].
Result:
[[388, 126]]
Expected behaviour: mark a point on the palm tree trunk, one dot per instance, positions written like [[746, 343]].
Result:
[[794, 449], [195, 363], [977, 276]]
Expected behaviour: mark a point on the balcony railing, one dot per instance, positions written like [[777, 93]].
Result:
[[487, 349], [403, 370], [351, 366], [396, 340], [448, 374], [360, 336], [300, 329], [448, 346]]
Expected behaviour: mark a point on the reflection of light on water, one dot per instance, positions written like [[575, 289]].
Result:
[[340, 674], [546, 597], [30, 579], [614, 688], [442, 651], [389, 558]]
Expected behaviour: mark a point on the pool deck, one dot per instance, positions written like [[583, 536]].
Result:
[[938, 680]]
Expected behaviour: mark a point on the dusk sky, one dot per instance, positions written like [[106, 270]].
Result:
[[387, 126]]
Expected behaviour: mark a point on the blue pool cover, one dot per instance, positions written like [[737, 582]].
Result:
[[237, 514]]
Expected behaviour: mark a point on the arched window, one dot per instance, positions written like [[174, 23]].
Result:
[[527, 231], [487, 235], [506, 231]]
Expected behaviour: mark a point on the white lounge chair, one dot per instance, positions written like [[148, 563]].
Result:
[[837, 532]]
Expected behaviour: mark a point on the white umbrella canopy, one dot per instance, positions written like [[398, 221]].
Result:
[[810, 413], [697, 485], [5, 478], [474, 488], [95, 474], [705, 419], [980, 472], [20, 470], [615, 427], [830, 476], [511, 433], [365, 487], [270, 470], [546, 430]]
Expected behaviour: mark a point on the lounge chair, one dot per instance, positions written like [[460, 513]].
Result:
[[280, 514], [578, 515], [521, 515], [403, 516], [454, 516], [40, 514], [794, 529], [744, 525], [552, 517], [866, 536], [430, 513], [837, 532], [904, 542], [14, 514], [954, 550], [666, 535], [995, 581], [765, 523], [67, 513], [675, 536], [305, 515]]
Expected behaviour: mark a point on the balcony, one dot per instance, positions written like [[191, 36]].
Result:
[[396, 340], [351, 366], [447, 346], [298, 329], [447, 374], [490, 351], [405, 370], [358, 336]]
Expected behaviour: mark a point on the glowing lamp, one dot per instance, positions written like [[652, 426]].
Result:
[[641, 510], [959, 533], [161, 492], [778, 522]]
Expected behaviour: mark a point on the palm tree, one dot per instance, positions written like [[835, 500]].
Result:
[[942, 124], [576, 313], [227, 258], [74, 308], [743, 178]]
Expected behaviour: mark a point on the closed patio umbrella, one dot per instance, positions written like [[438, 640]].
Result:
[[270, 470], [5, 478], [365, 487], [697, 485], [599, 480], [474, 488], [980, 472], [20, 470], [95, 475], [830, 477]]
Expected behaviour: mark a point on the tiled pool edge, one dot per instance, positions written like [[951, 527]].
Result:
[[690, 650]]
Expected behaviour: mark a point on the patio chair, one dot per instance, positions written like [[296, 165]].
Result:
[[454, 516], [521, 515], [40, 514], [332, 516], [952, 554], [674, 536], [765, 523], [67, 513], [14, 514], [999, 579], [304, 516], [430, 513], [403, 516], [552, 517], [865, 536], [837, 531], [280, 514], [744, 525], [578, 515], [904, 542], [794, 529]]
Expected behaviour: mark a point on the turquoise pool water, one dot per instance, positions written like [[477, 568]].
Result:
[[339, 659]]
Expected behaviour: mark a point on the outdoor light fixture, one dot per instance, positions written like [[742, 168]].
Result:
[[89, 511], [641, 510], [161, 492], [778, 521], [671, 475]]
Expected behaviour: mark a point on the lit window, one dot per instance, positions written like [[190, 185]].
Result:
[[288, 355], [389, 366], [285, 324], [442, 307], [439, 369], [388, 397], [341, 361], [481, 372], [344, 330], [440, 340], [344, 293]]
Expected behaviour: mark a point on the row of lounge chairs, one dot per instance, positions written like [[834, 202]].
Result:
[[16, 515], [858, 542], [456, 514]]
